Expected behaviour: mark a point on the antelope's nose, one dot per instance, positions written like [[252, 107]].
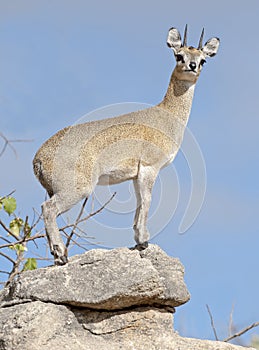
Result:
[[192, 65]]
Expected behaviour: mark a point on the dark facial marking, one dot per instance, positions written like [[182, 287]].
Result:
[[202, 62], [179, 58]]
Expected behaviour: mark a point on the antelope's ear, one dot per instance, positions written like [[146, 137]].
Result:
[[211, 47], [174, 40]]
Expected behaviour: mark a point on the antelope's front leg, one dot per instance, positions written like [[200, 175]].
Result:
[[143, 185]]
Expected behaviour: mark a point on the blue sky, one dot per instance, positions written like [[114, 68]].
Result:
[[63, 59]]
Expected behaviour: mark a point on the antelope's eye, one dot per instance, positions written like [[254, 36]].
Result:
[[202, 62], [179, 58]]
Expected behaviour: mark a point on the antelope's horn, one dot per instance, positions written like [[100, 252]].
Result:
[[185, 36], [201, 39]]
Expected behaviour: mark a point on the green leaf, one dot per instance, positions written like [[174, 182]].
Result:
[[30, 264], [9, 204], [16, 226], [19, 247], [1, 203]]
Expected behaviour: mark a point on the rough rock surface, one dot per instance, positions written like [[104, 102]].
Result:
[[118, 299], [107, 279]]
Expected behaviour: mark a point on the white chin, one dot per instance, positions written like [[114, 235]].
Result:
[[189, 76]]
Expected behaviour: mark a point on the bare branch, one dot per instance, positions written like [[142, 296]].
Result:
[[91, 214], [73, 240], [15, 270], [5, 239], [102, 207], [231, 327], [7, 257], [20, 253], [9, 143], [78, 220], [92, 203], [24, 240], [212, 322], [8, 231], [8, 195], [26, 230], [26, 236], [35, 221], [243, 331], [81, 233]]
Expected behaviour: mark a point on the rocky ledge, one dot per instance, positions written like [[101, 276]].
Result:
[[103, 299]]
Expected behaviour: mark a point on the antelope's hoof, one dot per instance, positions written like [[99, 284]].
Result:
[[60, 255], [141, 246]]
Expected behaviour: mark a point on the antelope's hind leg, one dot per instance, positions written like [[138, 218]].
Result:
[[51, 209]]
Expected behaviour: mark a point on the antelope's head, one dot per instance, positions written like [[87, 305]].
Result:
[[190, 60]]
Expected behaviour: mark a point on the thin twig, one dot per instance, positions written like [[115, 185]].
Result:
[[7, 257], [24, 240], [76, 222], [78, 232], [91, 214], [26, 231], [231, 325], [8, 142], [41, 257], [8, 231], [16, 266], [92, 203], [243, 331], [5, 239], [44, 259], [8, 195], [73, 240], [212, 322], [103, 206], [35, 222], [15, 270]]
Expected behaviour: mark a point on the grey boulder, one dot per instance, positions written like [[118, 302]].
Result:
[[104, 300]]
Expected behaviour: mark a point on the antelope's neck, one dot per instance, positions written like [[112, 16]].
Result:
[[178, 98]]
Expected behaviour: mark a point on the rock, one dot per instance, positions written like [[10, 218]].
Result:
[[46, 326], [170, 270], [118, 299], [107, 279]]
